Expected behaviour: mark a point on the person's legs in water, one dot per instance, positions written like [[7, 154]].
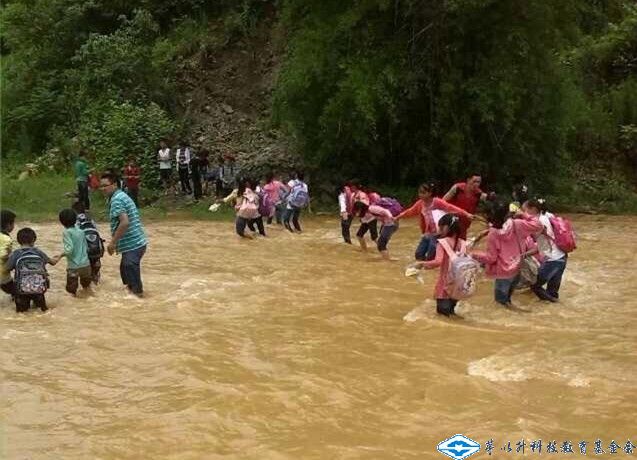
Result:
[[296, 213], [503, 288], [260, 226], [550, 273], [446, 307], [287, 215], [553, 285], [373, 229], [278, 213], [40, 302], [240, 226], [426, 249], [251, 226], [131, 266], [96, 265], [72, 281], [360, 235], [346, 224], [22, 303], [386, 232], [86, 277]]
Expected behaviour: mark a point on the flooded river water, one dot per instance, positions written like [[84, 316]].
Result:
[[300, 347]]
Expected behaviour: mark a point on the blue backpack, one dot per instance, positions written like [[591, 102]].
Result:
[[298, 197]]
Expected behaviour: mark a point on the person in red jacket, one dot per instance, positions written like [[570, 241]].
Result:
[[423, 208], [467, 196], [132, 177]]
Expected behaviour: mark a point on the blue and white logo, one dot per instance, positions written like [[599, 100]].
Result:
[[458, 447]]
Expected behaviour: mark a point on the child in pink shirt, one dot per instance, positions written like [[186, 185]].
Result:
[[503, 255], [449, 225], [275, 189], [389, 225]]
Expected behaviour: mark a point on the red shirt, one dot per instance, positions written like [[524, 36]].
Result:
[[131, 175], [464, 200]]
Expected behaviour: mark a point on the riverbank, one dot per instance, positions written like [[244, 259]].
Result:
[[40, 198]]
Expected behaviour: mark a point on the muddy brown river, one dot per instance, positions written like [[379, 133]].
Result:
[[300, 347]]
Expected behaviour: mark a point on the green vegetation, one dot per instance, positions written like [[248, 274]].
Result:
[[41, 197], [392, 92]]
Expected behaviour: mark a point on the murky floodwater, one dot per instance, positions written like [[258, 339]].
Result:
[[298, 347]]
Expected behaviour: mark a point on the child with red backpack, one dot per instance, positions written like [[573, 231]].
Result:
[[505, 249], [458, 274], [554, 242], [384, 211]]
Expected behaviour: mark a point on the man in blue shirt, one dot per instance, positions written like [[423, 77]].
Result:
[[128, 236]]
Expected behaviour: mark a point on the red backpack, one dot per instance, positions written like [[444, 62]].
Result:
[[564, 234]]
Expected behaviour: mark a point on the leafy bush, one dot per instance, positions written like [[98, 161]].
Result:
[[115, 131]]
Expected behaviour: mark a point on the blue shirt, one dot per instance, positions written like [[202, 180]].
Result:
[[135, 237]]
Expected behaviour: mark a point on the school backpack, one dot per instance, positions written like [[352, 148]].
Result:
[[564, 235], [298, 197], [249, 207], [462, 279], [391, 204], [265, 203], [30, 274], [94, 243]]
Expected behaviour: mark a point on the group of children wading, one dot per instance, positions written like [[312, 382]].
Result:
[[526, 245]]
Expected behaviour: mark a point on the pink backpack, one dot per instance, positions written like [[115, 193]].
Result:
[[564, 235], [462, 280]]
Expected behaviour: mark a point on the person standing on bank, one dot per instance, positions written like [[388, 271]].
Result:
[[132, 176], [183, 167], [164, 158], [128, 236], [81, 177]]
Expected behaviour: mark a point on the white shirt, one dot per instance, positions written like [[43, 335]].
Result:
[[342, 202], [185, 160], [165, 159], [545, 243]]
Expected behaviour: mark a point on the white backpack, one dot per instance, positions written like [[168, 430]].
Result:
[[462, 280]]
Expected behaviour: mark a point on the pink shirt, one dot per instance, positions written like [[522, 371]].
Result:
[[377, 212], [272, 189], [442, 260], [502, 258]]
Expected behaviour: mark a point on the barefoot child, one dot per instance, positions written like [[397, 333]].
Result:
[[76, 253], [31, 277], [503, 256], [389, 225]]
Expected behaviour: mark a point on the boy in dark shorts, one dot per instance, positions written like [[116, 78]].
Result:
[[76, 253], [31, 277]]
